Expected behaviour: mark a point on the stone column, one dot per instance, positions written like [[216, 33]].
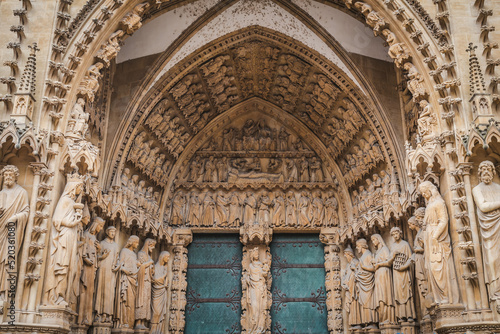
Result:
[[256, 266], [329, 237], [180, 240]]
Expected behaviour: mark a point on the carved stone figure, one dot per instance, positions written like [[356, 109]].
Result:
[[208, 211], [419, 259], [78, 124], [291, 209], [331, 210], [348, 282], [426, 119], [317, 209], [222, 209], [14, 211], [401, 258], [132, 21], [195, 210], [127, 289], [415, 84], [90, 83], [63, 248], [264, 205], [255, 282], [234, 219], [159, 294], [279, 210], [249, 208], [291, 173], [365, 285], [108, 51], [438, 257], [90, 250], [384, 297], [304, 207], [106, 277], [304, 170], [144, 278], [397, 51], [178, 209], [210, 170], [316, 170], [486, 195]]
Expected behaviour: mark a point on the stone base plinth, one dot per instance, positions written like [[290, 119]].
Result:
[[61, 317], [408, 328], [141, 331], [122, 331], [426, 325], [389, 329], [79, 329], [102, 328], [447, 315]]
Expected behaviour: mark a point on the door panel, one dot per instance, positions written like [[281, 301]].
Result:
[[214, 284], [298, 287]]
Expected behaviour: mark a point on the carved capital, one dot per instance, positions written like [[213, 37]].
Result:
[[37, 167], [330, 237], [182, 237], [465, 168], [256, 233]]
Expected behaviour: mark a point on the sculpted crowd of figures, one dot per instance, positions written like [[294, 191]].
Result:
[[371, 194], [379, 285], [276, 209]]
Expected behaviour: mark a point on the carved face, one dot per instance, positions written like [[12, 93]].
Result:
[[111, 233], [396, 235], [486, 174], [9, 178], [349, 256], [375, 241]]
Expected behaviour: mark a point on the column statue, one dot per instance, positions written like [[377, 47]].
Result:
[[14, 211], [487, 197], [144, 277], [64, 242], [255, 280], [365, 284], [159, 294], [106, 277], [401, 260], [438, 257], [349, 285], [384, 296], [127, 290], [91, 248]]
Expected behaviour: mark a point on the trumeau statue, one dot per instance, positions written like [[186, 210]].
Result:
[[126, 293], [159, 294], [14, 211], [384, 296], [365, 285], [90, 250], [349, 285], [144, 278], [486, 195], [64, 242], [438, 257], [106, 277], [255, 282]]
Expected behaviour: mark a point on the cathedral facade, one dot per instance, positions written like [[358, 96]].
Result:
[[249, 166]]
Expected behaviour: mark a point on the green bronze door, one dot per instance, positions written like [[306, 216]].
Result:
[[214, 284], [298, 287]]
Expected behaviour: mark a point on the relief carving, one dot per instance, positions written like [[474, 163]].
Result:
[[397, 51], [90, 83], [132, 21], [126, 293], [108, 51], [159, 294]]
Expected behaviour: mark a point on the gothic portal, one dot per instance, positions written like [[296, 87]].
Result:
[[249, 166]]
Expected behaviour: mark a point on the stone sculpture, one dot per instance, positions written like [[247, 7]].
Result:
[[486, 195], [365, 285], [401, 259], [63, 248], [144, 278], [159, 294], [438, 257], [14, 211], [384, 296], [255, 282], [106, 277], [127, 289], [352, 306], [90, 250]]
